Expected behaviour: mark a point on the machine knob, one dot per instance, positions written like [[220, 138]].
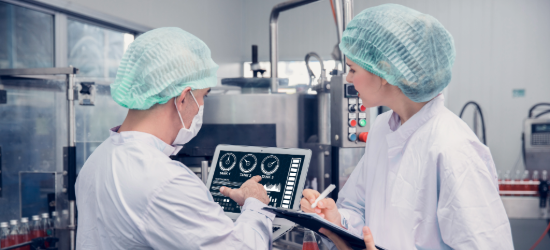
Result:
[[362, 122], [363, 136], [352, 123], [352, 137], [362, 108], [352, 107]]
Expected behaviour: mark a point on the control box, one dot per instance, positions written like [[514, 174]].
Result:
[[537, 144], [350, 120]]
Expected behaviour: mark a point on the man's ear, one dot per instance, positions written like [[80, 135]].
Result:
[[384, 82], [183, 94], [181, 98]]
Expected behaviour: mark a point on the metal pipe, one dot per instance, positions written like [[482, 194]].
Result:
[[204, 171], [348, 16], [71, 142], [273, 41], [339, 25], [323, 113]]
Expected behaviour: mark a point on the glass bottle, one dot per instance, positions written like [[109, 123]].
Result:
[[36, 227], [46, 225], [516, 186], [25, 233], [525, 181], [309, 241], [56, 221], [535, 182], [506, 185], [13, 236], [4, 232]]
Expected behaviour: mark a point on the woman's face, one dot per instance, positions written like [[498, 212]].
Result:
[[372, 88]]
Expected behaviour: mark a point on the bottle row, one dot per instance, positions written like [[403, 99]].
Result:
[[21, 231], [522, 183]]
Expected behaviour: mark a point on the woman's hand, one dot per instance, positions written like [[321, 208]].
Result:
[[326, 208], [342, 245]]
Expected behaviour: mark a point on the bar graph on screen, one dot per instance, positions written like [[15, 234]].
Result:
[[272, 187]]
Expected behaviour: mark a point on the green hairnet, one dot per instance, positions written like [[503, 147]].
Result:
[[158, 65], [410, 50]]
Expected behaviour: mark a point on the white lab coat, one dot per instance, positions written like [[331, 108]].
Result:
[[131, 195], [426, 184]]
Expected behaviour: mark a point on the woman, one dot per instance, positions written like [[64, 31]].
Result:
[[425, 181]]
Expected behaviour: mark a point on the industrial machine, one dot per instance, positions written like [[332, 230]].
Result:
[[536, 140], [46, 137], [51, 123], [333, 123]]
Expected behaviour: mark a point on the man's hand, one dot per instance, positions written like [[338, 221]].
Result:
[[326, 208], [250, 188], [342, 245]]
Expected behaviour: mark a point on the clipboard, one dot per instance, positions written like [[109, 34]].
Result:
[[315, 222]]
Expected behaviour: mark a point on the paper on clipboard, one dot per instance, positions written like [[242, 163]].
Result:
[[315, 222]]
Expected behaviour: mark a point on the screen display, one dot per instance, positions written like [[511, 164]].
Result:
[[540, 128], [280, 176], [351, 91]]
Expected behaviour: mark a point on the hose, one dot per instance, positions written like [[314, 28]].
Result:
[[309, 71], [541, 237], [542, 113], [333, 12], [480, 114], [535, 106]]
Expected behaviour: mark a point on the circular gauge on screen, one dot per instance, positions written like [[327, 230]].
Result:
[[228, 161], [270, 164], [248, 163]]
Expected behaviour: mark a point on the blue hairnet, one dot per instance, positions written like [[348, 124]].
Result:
[[410, 50], [158, 65]]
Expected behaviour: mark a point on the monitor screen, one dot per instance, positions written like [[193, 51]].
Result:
[[280, 176]]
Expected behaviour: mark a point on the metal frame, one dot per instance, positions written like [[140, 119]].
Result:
[[81, 12], [273, 40], [63, 10], [55, 173], [1, 172], [70, 73]]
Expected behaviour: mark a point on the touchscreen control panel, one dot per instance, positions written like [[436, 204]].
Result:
[[280, 176]]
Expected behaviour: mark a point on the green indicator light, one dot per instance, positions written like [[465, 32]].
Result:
[[362, 122]]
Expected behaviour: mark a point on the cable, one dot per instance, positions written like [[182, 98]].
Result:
[[541, 237], [541, 114], [535, 106], [333, 11], [480, 114]]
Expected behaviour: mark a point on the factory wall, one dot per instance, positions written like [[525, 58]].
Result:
[[217, 22], [501, 46]]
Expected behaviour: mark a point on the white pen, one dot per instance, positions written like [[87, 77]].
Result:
[[323, 195]]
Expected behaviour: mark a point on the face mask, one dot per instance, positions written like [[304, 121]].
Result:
[[185, 135]]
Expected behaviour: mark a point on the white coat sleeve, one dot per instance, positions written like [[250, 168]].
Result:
[[351, 200], [182, 216], [470, 212]]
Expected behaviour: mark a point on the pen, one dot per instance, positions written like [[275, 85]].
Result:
[[323, 195]]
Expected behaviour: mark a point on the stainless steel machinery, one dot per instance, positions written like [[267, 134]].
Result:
[[45, 138], [251, 111], [536, 140]]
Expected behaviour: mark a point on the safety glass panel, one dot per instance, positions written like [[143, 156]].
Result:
[[33, 133], [26, 38], [94, 50]]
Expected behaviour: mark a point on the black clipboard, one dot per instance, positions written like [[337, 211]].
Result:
[[315, 222]]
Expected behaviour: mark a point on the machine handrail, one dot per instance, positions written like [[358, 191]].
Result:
[[273, 41]]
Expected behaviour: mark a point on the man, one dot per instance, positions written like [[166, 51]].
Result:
[[130, 194]]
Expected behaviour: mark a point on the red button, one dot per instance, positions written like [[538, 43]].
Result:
[[363, 108], [363, 136], [352, 123]]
